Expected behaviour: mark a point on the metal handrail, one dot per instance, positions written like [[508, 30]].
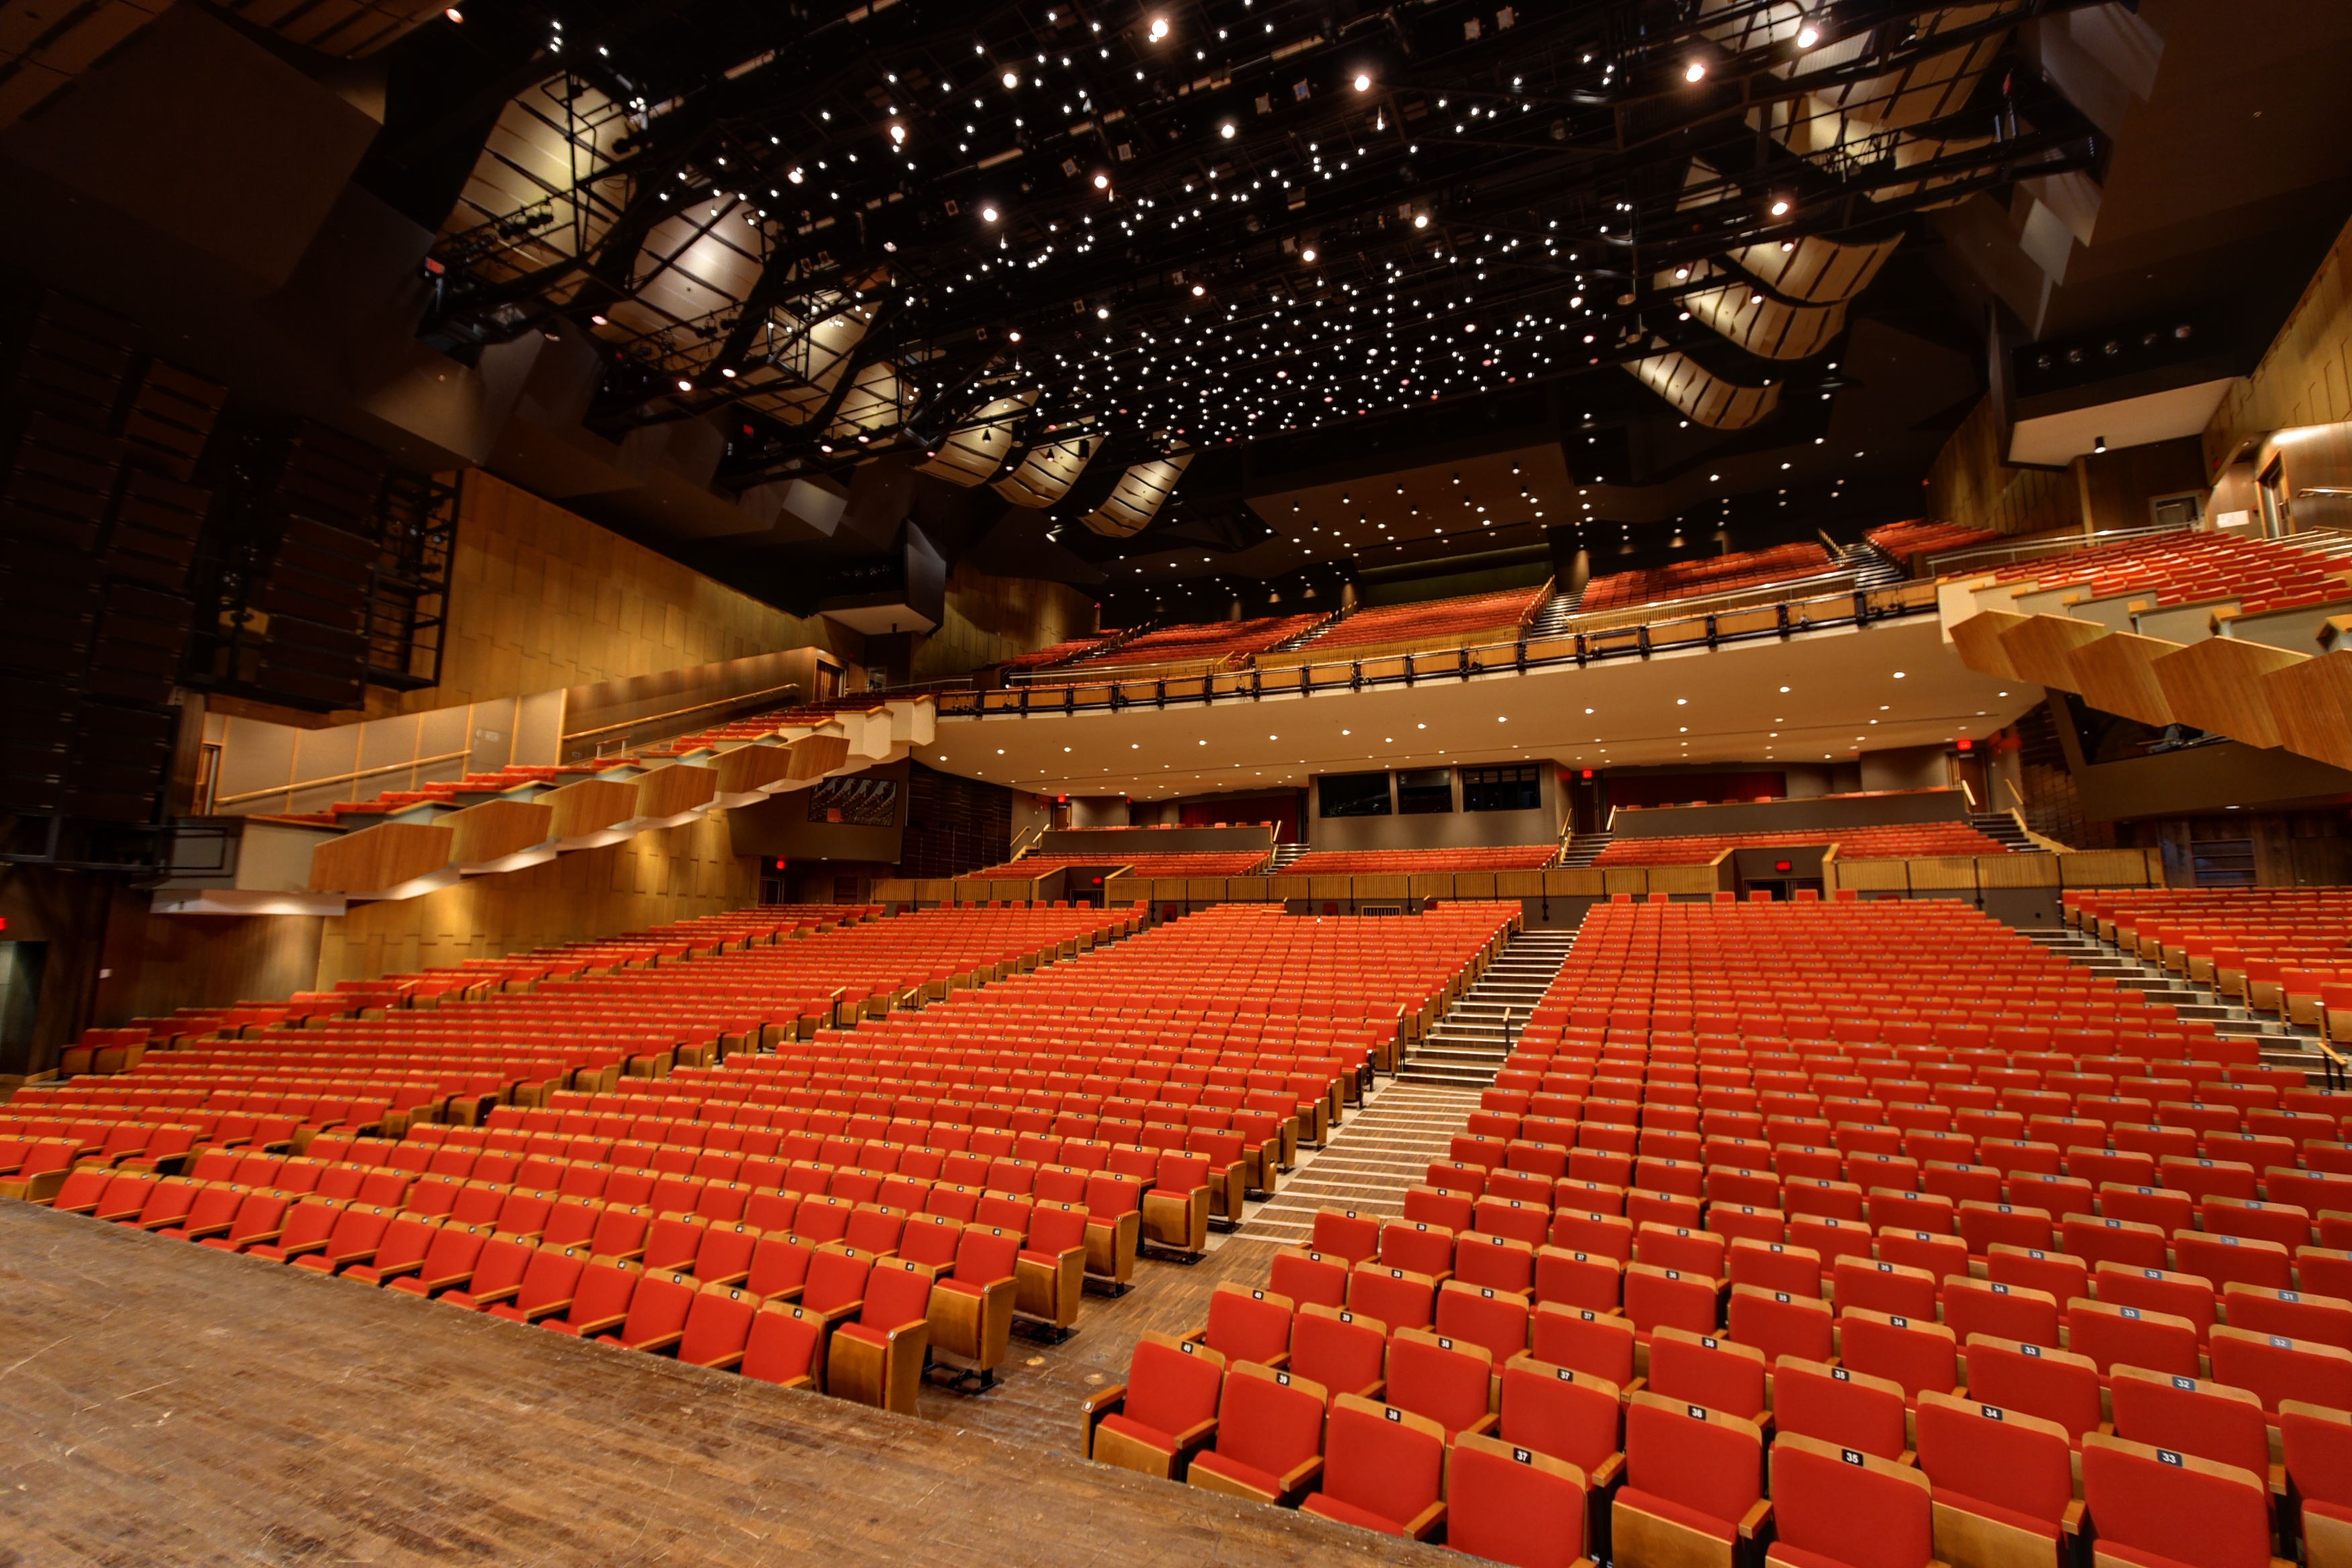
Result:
[[351, 777], [1977, 556], [697, 707]]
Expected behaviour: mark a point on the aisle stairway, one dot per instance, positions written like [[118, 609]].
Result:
[[1467, 1045], [1552, 618], [1584, 847], [1386, 1146], [1284, 854], [2281, 1044], [2003, 830]]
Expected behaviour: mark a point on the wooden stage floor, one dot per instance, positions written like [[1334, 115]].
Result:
[[167, 1403]]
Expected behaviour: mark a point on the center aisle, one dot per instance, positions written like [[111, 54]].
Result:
[[1387, 1146]]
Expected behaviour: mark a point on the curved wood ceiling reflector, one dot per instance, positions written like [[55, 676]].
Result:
[[1138, 497], [1702, 396], [974, 454], [1046, 472]]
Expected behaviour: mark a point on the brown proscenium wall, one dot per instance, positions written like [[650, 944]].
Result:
[[1823, 812]]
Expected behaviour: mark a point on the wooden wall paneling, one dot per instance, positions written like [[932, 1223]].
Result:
[[1575, 882], [2304, 377], [1117, 891], [896, 890], [211, 960], [1431, 885], [1204, 890], [496, 829], [1941, 873], [1682, 879], [590, 806], [2112, 869], [1978, 642], [2037, 648], [1474, 885], [1519, 884], [381, 856], [1249, 889], [1971, 483], [813, 757], [664, 793], [1384, 890], [2311, 703], [1633, 879], [748, 768], [1326, 888], [542, 598], [2216, 685], [656, 877], [1870, 876], [2018, 870], [1283, 889], [2115, 673]]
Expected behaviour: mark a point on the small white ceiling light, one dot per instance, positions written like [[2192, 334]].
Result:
[[1158, 28], [1697, 72], [1226, 130], [988, 215], [1012, 79], [1363, 82]]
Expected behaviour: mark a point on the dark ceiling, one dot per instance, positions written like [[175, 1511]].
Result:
[[701, 265]]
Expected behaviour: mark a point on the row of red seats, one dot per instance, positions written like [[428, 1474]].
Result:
[[1430, 620], [1905, 539], [1217, 644], [1711, 575], [1407, 862], [1179, 863], [1878, 842]]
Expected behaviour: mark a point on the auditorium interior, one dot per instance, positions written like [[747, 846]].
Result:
[[739, 681]]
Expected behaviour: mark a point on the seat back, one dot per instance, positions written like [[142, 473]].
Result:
[[1418, 1246], [659, 1306], [2056, 1386], [550, 1274], [603, 1291], [1346, 1234], [2210, 1420], [718, 1325], [2276, 1368], [1482, 1315], [1397, 1296], [2318, 1443], [1248, 1324], [1385, 1460], [1702, 1459], [835, 1278], [1309, 1277], [1702, 1369], [1558, 1411], [2175, 1505], [985, 1255], [1513, 1504], [1444, 1379], [1836, 1405], [1173, 1387], [898, 1292], [1269, 1420], [1998, 1456], [1585, 1340], [1919, 1355], [1336, 1349], [781, 1344], [1854, 1507]]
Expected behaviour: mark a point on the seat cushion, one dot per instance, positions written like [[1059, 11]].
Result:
[[1133, 1431], [1797, 1557], [1250, 1475], [2337, 1512], [1677, 1514], [868, 1334], [1331, 1507]]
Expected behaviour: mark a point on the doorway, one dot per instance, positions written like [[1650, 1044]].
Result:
[[21, 963]]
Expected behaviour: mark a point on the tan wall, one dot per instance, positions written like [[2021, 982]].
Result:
[[1969, 484], [2305, 376], [672, 874], [542, 598], [993, 618]]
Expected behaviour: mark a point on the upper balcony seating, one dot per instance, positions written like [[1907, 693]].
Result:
[[1903, 540], [1713, 574], [1055, 653], [2190, 568], [1433, 621], [1184, 863], [1214, 643], [1405, 862], [1894, 842]]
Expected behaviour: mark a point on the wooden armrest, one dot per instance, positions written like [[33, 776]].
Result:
[[547, 1309], [1196, 1435], [660, 1342], [1606, 1472], [1305, 1471], [1484, 1426], [1105, 1401], [1425, 1524], [1757, 1515], [595, 1326]]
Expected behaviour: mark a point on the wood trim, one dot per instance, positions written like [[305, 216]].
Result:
[[381, 856], [2038, 645], [680, 787], [2311, 703], [590, 806], [1978, 642], [496, 829], [2115, 673], [2216, 685]]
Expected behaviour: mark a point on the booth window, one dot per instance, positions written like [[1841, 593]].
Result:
[[1502, 789], [1353, 795], [1424, 791]]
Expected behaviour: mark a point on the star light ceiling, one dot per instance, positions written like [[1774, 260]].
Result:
[[1185, 225]]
